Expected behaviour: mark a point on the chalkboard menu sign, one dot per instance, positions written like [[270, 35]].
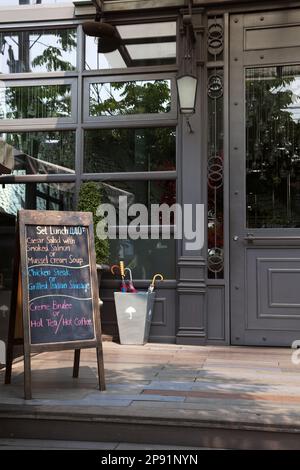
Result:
[[59, 287], [59, 284]]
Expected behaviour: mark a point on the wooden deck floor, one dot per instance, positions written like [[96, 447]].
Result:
[[253, 389]]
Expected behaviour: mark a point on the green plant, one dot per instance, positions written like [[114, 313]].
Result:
[[89, 199]]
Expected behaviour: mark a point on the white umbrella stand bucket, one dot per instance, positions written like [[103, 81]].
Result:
[[134, 315]]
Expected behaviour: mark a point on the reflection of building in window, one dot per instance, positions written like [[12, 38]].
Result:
[[38, 152], [12, 198], [6, 157], [41, 196], [141, 45]]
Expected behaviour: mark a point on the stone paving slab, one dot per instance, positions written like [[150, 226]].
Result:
[[163, 385], [230, 406], [178, 418], [217, 385], [246, 395], [232, 376], [207, 418], [232, 385]]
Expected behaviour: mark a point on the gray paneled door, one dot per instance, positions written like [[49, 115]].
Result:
[[265, 178]]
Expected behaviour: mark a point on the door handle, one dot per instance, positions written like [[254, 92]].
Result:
[[251, 238], [235, 238]]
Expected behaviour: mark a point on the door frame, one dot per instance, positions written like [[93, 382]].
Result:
[[240, 59]]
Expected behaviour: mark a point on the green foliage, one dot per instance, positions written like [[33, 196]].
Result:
[[43, 101], [119, 149], [122, 98], [37, 102], [90, 197], [273, 136], [51, 58]]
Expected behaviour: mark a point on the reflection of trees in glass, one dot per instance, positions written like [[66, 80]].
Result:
[[140, 97], [47, 51], [50, 51], [52, 57], [117, 150], [44, 51], [35, 102], [273, 147]]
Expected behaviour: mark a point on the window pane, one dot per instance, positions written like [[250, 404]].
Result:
[[148, 30], [215, 180], [141, 45], [38, 152], [39, 51], [121, 98], [145, 257], [140, 192], [35, 102], [273, 146], [117, 150], [36, 196]]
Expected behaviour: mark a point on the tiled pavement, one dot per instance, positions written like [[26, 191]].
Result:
[[233, 385]]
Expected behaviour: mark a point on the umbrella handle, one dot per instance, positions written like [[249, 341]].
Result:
[[151, 287], [122, 268], [155, 277], [131, 287], [130, 273], [112, 269]]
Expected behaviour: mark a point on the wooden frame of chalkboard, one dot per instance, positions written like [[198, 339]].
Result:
[[56, 266]]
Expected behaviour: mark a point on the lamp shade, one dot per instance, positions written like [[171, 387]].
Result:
[[98, 29], [107, 34], [108, 44], [187, 90]]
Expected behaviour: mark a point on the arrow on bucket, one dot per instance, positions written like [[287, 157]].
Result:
[[130, 311]]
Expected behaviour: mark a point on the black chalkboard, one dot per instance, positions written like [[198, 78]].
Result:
[[58, 279], [59, 284]]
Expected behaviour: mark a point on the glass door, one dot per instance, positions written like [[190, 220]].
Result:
[[264, 190], [273, 147]]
